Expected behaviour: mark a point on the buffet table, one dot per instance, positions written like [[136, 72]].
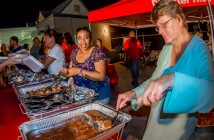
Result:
[[10, 114]]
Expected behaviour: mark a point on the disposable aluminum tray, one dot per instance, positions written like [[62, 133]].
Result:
[[60, 118], [34, 80], [91, 95]]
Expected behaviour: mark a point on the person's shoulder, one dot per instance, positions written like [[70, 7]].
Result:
[[197, 42], [96, 49]]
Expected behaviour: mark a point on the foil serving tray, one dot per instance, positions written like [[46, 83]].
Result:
[[40, 106], [63, 117], [30, 78]]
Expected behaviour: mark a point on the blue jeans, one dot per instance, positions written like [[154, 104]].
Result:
[[134, 66]]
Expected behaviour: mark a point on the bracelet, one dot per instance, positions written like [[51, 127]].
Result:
[[80, 73], [133, 96]]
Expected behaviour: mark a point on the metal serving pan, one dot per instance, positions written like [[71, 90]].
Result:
[[34, 79], [60, 118], [42, 107]]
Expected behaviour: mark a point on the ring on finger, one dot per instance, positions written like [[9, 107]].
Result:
[[153, 93]]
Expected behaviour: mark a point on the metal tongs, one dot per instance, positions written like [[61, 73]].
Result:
[[55, 83], [115, 117]]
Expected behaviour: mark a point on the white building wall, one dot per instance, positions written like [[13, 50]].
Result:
[[70, 8], [97, 30], [48, 22], [77, 22], [63, 24]]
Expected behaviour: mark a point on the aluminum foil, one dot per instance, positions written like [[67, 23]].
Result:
[[39, 106], [63, 117], [26, 78]]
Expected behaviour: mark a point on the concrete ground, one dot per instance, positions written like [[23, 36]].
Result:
[[137, 125]]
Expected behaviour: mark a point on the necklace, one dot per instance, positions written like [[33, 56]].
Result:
[[86, 51]]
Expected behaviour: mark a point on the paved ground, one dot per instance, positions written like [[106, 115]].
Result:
[[137, 125], [139, 117]]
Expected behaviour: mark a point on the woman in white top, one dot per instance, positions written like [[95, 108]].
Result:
[[55, 59]]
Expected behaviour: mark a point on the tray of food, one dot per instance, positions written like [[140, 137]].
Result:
[[28, 78], [88, 122], [47, 99]]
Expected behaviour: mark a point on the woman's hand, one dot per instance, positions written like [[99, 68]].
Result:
[[68, 72], [125, 97], [156, 89], [10, 62]]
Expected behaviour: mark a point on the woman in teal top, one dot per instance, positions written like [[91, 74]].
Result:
[[183, 82]]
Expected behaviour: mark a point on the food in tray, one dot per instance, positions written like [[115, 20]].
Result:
[[101, 121], [44, 91], [206, 119], [78, 128]]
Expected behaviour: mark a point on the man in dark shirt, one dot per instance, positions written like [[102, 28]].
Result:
[[15, 48], [34, 51], [14, 43]]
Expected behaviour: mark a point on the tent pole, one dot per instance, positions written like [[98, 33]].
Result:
[[135, 29], [89, 26], [211, 26], [210, 14]]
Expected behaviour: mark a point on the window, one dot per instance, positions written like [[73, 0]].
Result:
[[77, 8]]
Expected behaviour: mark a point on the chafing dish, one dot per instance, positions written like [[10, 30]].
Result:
[[44, 105], [60, 118]]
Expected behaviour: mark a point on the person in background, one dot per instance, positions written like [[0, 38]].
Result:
[[198, 31], [88, 66], [14, 42], [4, 51], [70, 46], [61, 41], [209, 43], [182, 83], [43, 51], [27, 47], [8, 62], [55, 58], [133, 49], [34, 51], [99, 43]]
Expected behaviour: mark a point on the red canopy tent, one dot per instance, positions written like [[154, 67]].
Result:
[[136, 13], [131, 12]]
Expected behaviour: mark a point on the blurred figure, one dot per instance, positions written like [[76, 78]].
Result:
[[27, 47], [56, 58], [198, 31], [43, 51], [14, 43], [34, 51], [70, 46], [4, 51], [209, 43], [133, 49], [8, 62], [99, 43]]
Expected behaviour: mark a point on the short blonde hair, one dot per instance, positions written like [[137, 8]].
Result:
[[167, 7]]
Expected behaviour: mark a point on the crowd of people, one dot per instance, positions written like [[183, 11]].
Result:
[[180, 87], [82, 61]]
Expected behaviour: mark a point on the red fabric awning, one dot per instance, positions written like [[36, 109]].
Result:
[[133, 7]]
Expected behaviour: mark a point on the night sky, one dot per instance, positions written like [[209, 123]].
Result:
[[17, 12]]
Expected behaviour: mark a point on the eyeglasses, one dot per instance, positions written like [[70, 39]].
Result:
[[163, 25]]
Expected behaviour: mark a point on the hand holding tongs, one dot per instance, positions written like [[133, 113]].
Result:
[[116, 115]]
